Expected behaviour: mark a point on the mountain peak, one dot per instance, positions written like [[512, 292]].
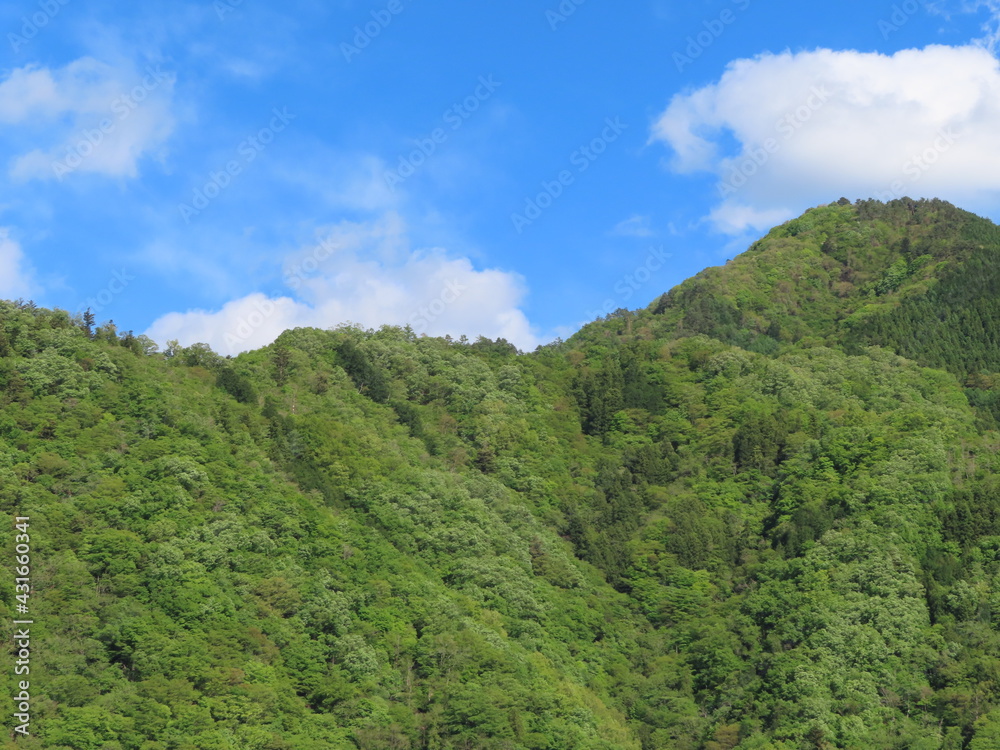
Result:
[[847, 274]]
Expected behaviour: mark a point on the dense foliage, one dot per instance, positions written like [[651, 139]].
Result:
[[763, 513]]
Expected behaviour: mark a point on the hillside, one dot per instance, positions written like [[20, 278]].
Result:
[[763, 513]]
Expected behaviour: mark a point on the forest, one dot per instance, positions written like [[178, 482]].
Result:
[[761, 514]]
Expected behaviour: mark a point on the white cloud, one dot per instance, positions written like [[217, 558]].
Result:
[[733, 218], [247, 323], [365, 273], [29, 92], [14, 281], [813, 126], [87, 117]]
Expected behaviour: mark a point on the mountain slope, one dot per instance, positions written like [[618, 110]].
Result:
[[737, 519], [189, 594]]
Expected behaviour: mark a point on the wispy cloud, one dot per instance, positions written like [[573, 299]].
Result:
[[87, 116], [990, 25], [634, 226]]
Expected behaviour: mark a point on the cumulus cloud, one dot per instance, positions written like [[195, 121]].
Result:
[[14, 281], [246, 323], [86, 117], [365, 273], [812, 126]]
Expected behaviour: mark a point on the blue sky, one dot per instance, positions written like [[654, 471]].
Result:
[[221, 171]]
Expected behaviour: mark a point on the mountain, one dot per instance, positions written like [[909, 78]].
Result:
[[919, 277], [763, 512]]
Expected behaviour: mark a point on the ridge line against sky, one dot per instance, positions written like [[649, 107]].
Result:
[[222, 171]]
